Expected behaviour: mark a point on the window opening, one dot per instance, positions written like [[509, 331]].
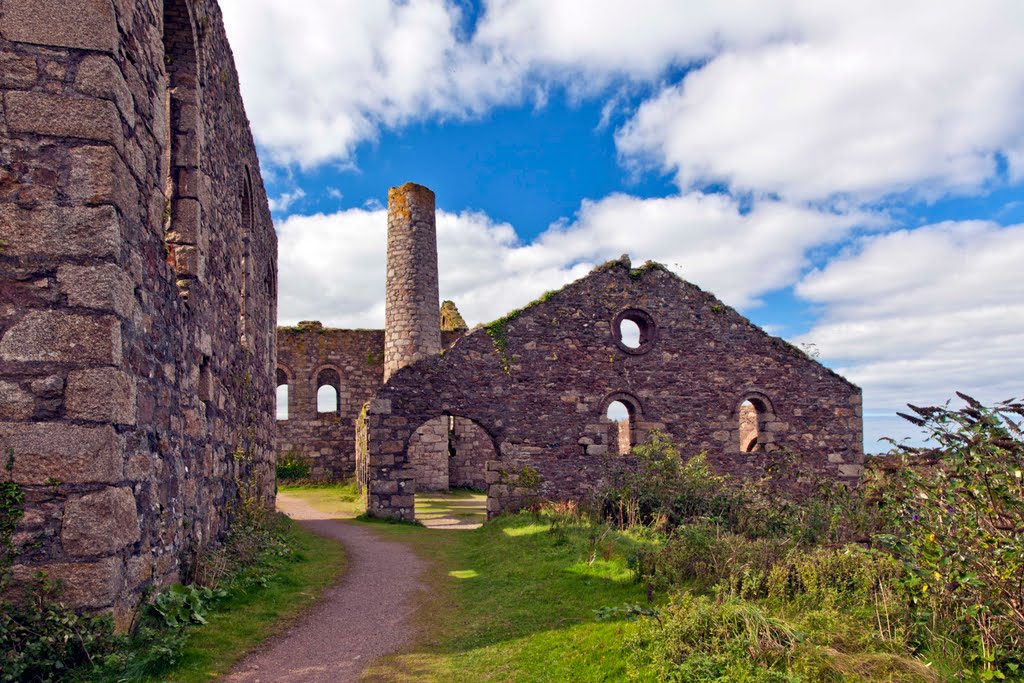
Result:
[[752, 414], [282, 395], [634, 331], [328, 392], [621, 416]]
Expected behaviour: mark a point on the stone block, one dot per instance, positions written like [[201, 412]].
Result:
[[62, 116], [99, 176], [86, 584], [104, 287], [188, 261], [101, 395], [84, 24], [851, 470], [57, 232], [100, 523], [15, 402], [17, 71], [835, 457], [70, 454], [99, 76], [186, 215], [380, 406], [57, 336]]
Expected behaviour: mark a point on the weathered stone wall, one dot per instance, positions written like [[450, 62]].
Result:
[[412, 325], [428, 454], [137, 255], [698, 360], [326, 441], [473, 449]]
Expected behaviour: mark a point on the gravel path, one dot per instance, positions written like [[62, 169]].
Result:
[[363, 617]]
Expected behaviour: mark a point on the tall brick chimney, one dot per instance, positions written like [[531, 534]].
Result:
[[412, 325]]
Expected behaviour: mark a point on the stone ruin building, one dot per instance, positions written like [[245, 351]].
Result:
[[138, 288], [426, 404]]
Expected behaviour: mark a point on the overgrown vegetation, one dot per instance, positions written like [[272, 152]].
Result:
[[236, 594], [676, 574]]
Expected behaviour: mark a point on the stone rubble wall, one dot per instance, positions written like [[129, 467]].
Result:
[[326, 441], [128, 399], [428, 455], [473, 450], [565, 364]]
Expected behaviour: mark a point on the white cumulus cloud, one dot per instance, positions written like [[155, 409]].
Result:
[[915, 315]]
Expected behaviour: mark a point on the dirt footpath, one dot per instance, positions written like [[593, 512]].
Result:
[[365, 616]]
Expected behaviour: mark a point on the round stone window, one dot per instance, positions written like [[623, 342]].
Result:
[[634, 331]]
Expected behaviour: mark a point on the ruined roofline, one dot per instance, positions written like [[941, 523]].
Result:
[[624, 263]]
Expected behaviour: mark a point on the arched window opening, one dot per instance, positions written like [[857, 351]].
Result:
[[182, 214], [620, 415], [245, 293], [634, 331], [755, 413], [328, 392], [282, 395]]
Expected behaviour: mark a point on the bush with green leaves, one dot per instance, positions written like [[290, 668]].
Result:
[[42, 639], [292, 467], [960, 510]]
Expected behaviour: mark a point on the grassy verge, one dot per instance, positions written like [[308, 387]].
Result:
[[514, 600], [286, 586]]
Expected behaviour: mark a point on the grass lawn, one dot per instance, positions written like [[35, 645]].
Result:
[[511, 601], [338, 500], [245, 620]]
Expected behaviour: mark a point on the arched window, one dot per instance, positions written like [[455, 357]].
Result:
[[754, 414], [618, 413], [328, 392], [621, 413], [282, 395], [182, 211]]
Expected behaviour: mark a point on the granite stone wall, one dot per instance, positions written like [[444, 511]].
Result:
[[137, 290], [539, 384]]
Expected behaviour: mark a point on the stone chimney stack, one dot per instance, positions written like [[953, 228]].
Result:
[[412, 326]]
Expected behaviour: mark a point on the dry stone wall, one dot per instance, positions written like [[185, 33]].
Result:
[[138, 280], [539, 384]]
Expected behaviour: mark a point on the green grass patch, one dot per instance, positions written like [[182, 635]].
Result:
[[516, 600], [457, 506], [337, 500]]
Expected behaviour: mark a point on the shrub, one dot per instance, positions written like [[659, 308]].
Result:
[[961, 512], [41, 639], [291, 467]]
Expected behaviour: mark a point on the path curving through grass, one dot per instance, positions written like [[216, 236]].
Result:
[[364, 617]]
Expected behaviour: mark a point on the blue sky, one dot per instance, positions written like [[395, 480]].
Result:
[[847, 175]]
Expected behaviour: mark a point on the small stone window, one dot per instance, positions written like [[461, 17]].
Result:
[[755, 412], [282, 395], [634, 331], [619, 414], [328, 392]]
